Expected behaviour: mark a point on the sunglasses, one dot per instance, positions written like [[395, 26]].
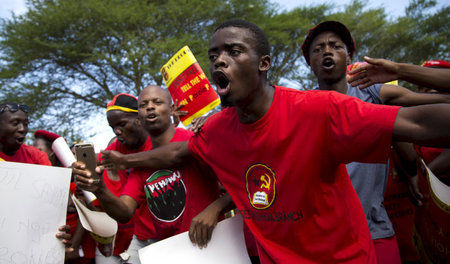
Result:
[[14, 108]]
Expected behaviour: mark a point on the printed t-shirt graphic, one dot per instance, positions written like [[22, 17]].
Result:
[[260, 182], [165, 193]]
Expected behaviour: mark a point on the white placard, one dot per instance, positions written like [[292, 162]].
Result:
[[33, 205], [227, 245]]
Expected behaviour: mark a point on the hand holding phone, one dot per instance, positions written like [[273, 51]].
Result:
[[85, 153]]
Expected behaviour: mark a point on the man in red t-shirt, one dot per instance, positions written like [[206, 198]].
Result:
[[13, 130], [121, 113], [281, 153], [188, 190]]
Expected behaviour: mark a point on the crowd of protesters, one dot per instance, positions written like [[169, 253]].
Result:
[[329, 156]]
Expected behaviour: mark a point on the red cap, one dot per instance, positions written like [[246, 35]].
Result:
[[333, 26], [46, 135], [436, 64]]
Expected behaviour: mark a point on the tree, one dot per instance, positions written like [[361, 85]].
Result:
[[67, 58]]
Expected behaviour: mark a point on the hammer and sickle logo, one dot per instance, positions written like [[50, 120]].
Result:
[[260, 183], [266, 179]]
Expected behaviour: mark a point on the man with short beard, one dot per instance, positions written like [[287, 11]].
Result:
[[179, 199]]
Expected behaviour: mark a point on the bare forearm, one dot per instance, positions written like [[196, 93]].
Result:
[[428, 77], [114, 206], [223, 204], [427, 125], [441, 164], [167, 156], [78, 235], [406, 163]]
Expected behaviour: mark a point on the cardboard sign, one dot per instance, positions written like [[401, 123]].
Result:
[[227, 245], [187, 84], [34, 204]]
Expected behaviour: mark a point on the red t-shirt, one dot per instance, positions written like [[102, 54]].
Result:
[[28, 154], [143, 227], [173, 197], [286, 172]]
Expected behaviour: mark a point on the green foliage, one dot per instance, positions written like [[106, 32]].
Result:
[[68, 58]]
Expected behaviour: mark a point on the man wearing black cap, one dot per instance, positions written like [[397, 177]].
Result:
[[281, 153], [328, 49]]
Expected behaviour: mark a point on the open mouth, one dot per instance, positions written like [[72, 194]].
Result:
[[222, 82], [151, 117], [20, 140], [328, 63]]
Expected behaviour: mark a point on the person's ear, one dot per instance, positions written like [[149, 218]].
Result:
[[264, 63], [349, 60], [138, 121]]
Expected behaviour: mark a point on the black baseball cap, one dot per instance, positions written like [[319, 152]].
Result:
[[333, 26]]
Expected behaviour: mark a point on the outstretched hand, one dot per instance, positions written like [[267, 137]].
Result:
[[375, 71], [112, 159]]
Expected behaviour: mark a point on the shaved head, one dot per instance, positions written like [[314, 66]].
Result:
[[157, 88]]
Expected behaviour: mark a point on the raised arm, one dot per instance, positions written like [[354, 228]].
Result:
[[427, 125], [382, 71], [166, 156]]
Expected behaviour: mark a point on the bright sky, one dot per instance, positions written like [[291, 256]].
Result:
[[393, 7]]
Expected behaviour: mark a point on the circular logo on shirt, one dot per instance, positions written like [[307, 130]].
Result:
[[260, 183], [165, 193]]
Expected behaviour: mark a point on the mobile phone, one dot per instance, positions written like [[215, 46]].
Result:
[[85, 153]]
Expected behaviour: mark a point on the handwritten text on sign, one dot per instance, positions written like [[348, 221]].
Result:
[[33, 205]]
